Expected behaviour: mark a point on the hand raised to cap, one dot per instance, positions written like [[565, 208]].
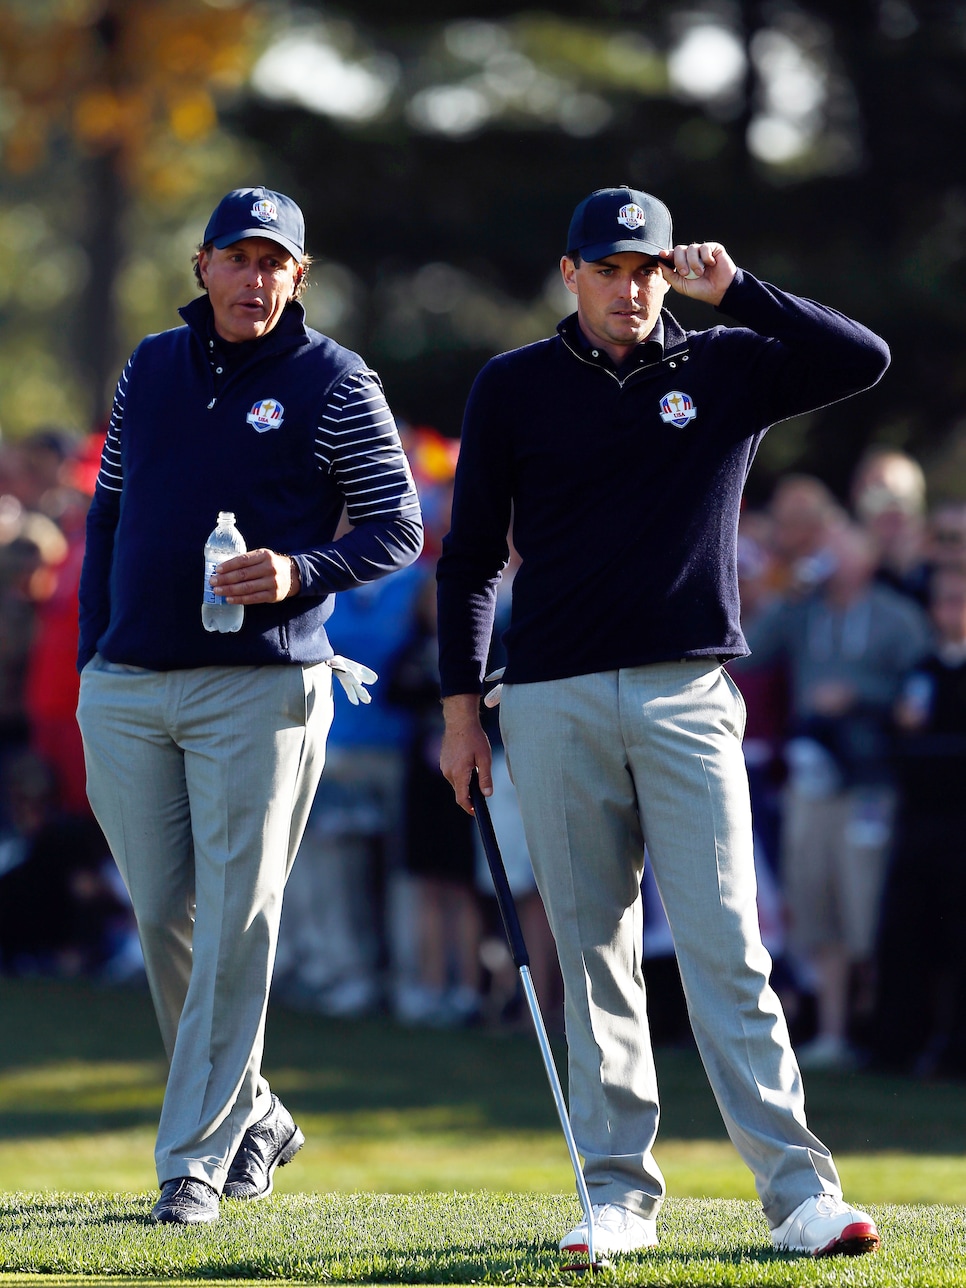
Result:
[[700, 270]]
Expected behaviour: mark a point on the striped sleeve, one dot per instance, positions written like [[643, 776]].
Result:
[[110, 475], [358, 444], [102, 520]]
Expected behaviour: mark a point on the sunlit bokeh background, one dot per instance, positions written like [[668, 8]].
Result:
[[438, 149]]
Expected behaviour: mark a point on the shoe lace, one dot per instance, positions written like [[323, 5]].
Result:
[[828, 1205], [611, 1217]]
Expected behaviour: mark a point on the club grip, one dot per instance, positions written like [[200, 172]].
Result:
[[504, 897]]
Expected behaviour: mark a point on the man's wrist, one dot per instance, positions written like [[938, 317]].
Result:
[[461, 708], [296, 585]]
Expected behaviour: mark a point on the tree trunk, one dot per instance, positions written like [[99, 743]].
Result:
[[97, 328]]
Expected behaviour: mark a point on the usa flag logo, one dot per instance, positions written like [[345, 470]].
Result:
[[265, 211], [265, 415], [677, 408], [631, 216]]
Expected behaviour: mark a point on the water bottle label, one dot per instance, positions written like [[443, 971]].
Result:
[[210, 597]]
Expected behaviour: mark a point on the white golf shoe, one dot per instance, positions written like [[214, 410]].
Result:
[[824, 1226], [616, 1229]]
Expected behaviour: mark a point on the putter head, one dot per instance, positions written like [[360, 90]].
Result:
[[586, 1267]]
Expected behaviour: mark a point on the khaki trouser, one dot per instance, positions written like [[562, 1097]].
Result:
[[834, 854], [202, 781], [601, 763]]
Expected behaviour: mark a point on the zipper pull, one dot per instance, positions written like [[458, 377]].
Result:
[[212, 403]]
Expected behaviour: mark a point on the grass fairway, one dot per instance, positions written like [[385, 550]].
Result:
[[448, 1239], [431, 1158]]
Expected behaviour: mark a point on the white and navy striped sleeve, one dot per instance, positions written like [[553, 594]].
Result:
[[110, 475], [357, 445], [102, 518]]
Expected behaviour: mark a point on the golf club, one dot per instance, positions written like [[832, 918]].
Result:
[[521, 959]]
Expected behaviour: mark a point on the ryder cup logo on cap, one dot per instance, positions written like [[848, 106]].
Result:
[[631, 216], [265, 211], [613, 220], [257, 212], [265, 415], [677, 408]]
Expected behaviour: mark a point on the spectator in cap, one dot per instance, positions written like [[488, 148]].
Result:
[[203, 749], [621, 446]]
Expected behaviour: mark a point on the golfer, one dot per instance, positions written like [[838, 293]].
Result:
[[204, 750], [620, 447]]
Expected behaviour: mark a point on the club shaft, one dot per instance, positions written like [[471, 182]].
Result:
[[530, 993], [494, 859], [521, 959]]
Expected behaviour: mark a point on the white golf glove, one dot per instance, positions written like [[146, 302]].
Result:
[[352, 676], [492, 699]]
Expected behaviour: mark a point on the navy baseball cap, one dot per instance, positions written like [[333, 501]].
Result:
[[257, 212], [612, 220]]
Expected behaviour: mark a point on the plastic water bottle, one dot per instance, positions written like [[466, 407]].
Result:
[[224, 543]]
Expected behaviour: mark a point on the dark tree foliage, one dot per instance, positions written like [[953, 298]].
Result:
[[883, 238]]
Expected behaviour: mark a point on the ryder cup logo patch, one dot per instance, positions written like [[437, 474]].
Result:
[[677, 408], [265, 211], [265, 415], [631, 216]]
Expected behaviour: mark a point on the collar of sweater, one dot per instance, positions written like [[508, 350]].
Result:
[[663, 342], [288, 331]]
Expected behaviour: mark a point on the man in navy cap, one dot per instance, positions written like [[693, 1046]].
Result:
[[204, 749], [620, 447]]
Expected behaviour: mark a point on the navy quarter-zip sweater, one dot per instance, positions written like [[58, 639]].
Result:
[[187, 440], [624, 518]]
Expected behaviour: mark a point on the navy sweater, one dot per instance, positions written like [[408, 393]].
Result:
[[184, 445], [626, 519]]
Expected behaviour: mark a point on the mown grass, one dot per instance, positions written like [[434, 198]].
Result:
[[431, 1158], [450, 1239]]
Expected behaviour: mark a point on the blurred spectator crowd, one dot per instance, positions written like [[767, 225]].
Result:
[[855, 743], [856, 749], [63, 909]]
